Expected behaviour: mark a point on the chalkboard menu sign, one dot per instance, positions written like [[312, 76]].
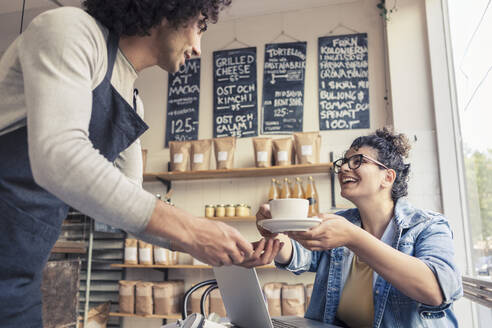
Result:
[[343, 82], [283, 87], [183, 98], [235, 93]]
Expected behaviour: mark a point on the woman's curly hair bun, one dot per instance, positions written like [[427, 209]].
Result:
[[399, 141]]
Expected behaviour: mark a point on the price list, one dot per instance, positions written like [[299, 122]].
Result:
[[235, 93], [283, 87], [343, 82], [183, 98]]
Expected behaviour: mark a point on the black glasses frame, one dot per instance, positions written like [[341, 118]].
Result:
[[353, 164]]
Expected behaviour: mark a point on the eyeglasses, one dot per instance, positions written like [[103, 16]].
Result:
[[354, 162]]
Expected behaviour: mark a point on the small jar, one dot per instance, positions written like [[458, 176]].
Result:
[[220, 210], [241, 210], [248, 210], [230, 210], [209, 211]]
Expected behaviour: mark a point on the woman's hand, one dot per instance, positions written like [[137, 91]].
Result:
[[264, 214], [265, 251], [334, 231]]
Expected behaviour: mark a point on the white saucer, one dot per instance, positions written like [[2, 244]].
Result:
[[282, 225]]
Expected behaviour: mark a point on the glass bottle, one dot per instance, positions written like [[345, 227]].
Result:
[[316, 196], [291, 188], [285, 191], [297, 190], [312, 196], [273, 192], [279, 186]]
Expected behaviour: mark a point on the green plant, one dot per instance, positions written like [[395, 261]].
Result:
[[385, 12]]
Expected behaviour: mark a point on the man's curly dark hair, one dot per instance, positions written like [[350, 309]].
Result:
[[137, 17]]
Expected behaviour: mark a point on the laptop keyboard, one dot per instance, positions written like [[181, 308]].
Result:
[[282, 324]]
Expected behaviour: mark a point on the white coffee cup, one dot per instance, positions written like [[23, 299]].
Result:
[[289, 208]]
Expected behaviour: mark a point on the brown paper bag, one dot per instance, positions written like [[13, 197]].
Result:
[[224, 152], [307, 145], [273, 291], [97, 317], [263, 152], [127, 296], [178, 295], [180, 155], [145, 255], [160, 255], [309, 291], [216, 303], [164, 298], [200, 154], [194, 306], [283, 149], [144, 301], [173, 257], [131, 253], [293, 299]]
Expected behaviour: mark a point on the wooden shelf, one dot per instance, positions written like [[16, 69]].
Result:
[[233, 218], [153, 316], [173, 266], [240, 173], [74, 247]]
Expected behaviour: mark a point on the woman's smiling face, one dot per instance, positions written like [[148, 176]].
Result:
[[364, 181]]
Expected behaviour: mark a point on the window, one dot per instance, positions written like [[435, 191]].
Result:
[[470, 26], [470, 30]]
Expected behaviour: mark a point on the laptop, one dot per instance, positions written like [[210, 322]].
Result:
[[245, 305]]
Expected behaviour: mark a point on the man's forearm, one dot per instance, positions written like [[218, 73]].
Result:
[[171, 223]]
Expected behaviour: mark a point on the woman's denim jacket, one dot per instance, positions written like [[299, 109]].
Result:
[[420, 233]]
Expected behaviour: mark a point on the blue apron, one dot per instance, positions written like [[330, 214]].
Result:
[[31, 217]]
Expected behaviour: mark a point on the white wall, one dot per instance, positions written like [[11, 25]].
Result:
[[10, 24]]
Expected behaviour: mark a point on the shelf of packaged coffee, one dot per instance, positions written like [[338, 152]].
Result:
[[152, 316], [173, 266], [240, 173], [233, 218]]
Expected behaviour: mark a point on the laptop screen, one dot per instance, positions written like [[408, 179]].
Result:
[[242, 296]]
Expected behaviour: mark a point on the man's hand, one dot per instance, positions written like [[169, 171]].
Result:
[[216, 243], [212, 242], [265, 252], [334, 231], [264, 214]]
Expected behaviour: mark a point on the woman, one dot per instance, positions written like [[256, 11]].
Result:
[[383, 263]]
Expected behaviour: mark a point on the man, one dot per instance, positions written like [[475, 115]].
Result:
[[69, 137]]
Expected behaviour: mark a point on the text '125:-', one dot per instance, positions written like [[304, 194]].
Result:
[[183, 99]]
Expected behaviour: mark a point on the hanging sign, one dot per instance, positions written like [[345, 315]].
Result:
[[283, 87], [235, 93], [343, 82], [183, 99]]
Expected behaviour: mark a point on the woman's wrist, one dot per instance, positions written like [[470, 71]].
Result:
[[353, 236]]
